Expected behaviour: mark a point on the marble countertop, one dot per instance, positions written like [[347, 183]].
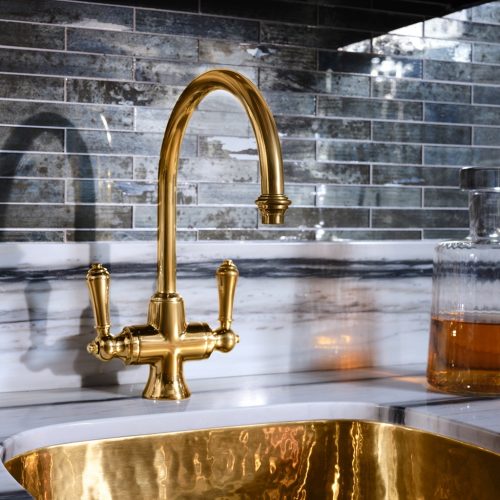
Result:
[[393, 394]]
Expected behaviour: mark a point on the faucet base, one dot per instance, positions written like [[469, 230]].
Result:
[[161, 386]]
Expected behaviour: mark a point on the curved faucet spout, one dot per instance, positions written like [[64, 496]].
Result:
[[272, 202]]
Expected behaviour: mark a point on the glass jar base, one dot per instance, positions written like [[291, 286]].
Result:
[[465, 381]]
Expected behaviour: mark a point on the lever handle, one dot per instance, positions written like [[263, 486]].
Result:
[[98, 282], [227, 276]]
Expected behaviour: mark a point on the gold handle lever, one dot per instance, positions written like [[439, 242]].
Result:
[[98, 282], [227, 276]]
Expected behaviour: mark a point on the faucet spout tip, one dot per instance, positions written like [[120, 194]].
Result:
[[272, 208]]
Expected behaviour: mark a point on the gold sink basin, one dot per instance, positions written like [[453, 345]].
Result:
[[324, 459]]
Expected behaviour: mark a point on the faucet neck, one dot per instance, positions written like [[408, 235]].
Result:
[[272, 201]]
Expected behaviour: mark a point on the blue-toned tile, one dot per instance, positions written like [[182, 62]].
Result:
[[437, 197], [31, 139], [31, 191], [421, 133], [31, 87], [424, 218], [302, 127], [456, 113], [368, 196], [31, 35]]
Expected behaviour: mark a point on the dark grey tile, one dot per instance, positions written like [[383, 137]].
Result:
[[122, 143], [156, 21], [445, 234], [369, 64], [316, 82], [66, 115], [254, 54], [120, 235], [452, 29], [421, 133], [424, 218], [487, 13], [437, 197], [422, 91], [123, 192], [31, 35], [461, 72], [32, 191], [461, 113], [66, 166], [31, 87], [201, 169], [67, 216], [310, 36], [133, 44], [423, 48], [31, 139], [189, 217], [368, 196], [123, 93], [329, 173], [486, 95], [302, 127], [368, 152], [171, 73], [65, 64], [293, 104], [369, 108], [460, 156], [322, 218], [406, 175], [13, 236], [246, 194], [486, 136], [486, 53], [67, 13], [274, 10]]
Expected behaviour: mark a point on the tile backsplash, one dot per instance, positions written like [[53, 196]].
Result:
[[375, 124]]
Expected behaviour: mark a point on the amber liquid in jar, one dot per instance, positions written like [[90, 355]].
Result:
[[464, 356]]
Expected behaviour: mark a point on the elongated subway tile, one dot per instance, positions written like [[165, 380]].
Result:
[[424, 48], [368, 152], [65, 64], [369, 64], [31, 139], [486, 13], [329, 173], [123, 235], [368, 196], [31, 87], [66, 216], [298, 126], [156, 21], [246, 194], [462, 72], [424, 218], [486, 95], [201, 169], [486, 53], [68, 14], [322, 218], [308, 81], [487, 136], [445, 234], [460, 156], [369, 108], [405, 175], [133, 44], [455, 113], [459, 30], [122, 143], [31, 35], [421, 133], [153, 70], [123, 192], [312, 36], [61, 165], [438, 197], [293, 104], [66, 115], [202, 122], [124, 93], [31, 191], [254, 54], [394, 88], [189, 217], [13, 236]]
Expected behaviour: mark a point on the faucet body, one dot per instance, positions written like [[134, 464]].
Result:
[[167, 340]]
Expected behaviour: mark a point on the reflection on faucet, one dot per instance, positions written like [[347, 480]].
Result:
[[167, 340]]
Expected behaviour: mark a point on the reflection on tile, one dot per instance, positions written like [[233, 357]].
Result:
[[435, 197], [428, 218], [486, 13], [332, 173], [462, 72], [31, 35], [31, 139], [415, 176], [451, 113], [295, 126], [31, 191], [189, 217], [421, 133], [287, 103], [452, 29]]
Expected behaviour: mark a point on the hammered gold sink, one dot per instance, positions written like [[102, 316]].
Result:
[[324, 459]]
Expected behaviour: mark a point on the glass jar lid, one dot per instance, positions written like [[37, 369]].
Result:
[[480, 178]]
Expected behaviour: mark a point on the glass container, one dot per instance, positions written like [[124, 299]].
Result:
[[464, 347]]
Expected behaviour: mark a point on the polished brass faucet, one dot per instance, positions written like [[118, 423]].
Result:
[[166, 341]]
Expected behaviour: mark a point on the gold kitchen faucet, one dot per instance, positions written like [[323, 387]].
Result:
[[166, 341]]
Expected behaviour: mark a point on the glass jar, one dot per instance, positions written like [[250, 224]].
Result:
[[464, 347]]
